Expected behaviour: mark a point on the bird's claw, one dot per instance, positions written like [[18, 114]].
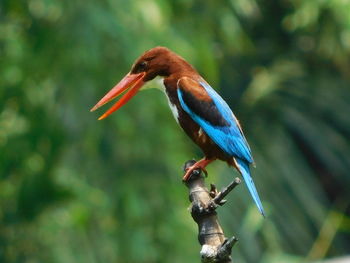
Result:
[[188, 174], [193, 169], [198, 166]]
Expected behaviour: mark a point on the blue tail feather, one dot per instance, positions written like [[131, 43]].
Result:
[[244, 169]]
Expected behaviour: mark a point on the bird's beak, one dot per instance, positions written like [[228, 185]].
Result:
[[132, 81]]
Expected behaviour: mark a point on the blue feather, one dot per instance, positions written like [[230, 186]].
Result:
[[244, 168], [229, 138]]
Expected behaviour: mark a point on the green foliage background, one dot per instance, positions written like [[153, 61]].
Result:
[[74, 189]]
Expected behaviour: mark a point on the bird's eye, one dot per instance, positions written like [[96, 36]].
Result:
[[142, 65]]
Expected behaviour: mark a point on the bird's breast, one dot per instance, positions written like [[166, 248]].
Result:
[[193, 130], [172, 102], [174, 109]]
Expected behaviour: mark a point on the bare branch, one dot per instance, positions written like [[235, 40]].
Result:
[[215, 247], [221, 195]]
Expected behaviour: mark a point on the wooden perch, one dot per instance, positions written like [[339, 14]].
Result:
[[215, 247]]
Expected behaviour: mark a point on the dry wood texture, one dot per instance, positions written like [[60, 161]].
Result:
[[215, 246]]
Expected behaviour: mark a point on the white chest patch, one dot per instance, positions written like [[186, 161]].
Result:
[[172, 106], [174, 110]]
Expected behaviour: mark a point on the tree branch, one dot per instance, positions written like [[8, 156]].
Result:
[[215, 247]]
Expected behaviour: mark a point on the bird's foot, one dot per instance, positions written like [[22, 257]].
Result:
[[198, 165]]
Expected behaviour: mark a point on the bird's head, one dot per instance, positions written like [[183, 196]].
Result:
[[158, 61], [154, 62]]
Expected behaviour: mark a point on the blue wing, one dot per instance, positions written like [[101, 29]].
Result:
[[215, 117]]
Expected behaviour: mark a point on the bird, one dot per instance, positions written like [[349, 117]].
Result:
[[198, 109]]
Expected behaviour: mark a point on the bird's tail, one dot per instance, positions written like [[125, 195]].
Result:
[[243, 167]]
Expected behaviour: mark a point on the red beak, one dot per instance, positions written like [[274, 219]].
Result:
[[132, 81]]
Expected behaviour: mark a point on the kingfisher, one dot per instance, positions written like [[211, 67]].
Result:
[[197, 107]]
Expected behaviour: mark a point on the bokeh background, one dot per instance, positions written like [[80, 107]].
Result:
[[74, 189]]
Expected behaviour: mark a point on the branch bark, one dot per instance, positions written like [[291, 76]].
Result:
[[215, 247]]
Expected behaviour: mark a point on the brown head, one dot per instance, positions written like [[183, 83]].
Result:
[[158, 61]]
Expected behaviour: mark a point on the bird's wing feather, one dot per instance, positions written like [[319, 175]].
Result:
[[212, 113]]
